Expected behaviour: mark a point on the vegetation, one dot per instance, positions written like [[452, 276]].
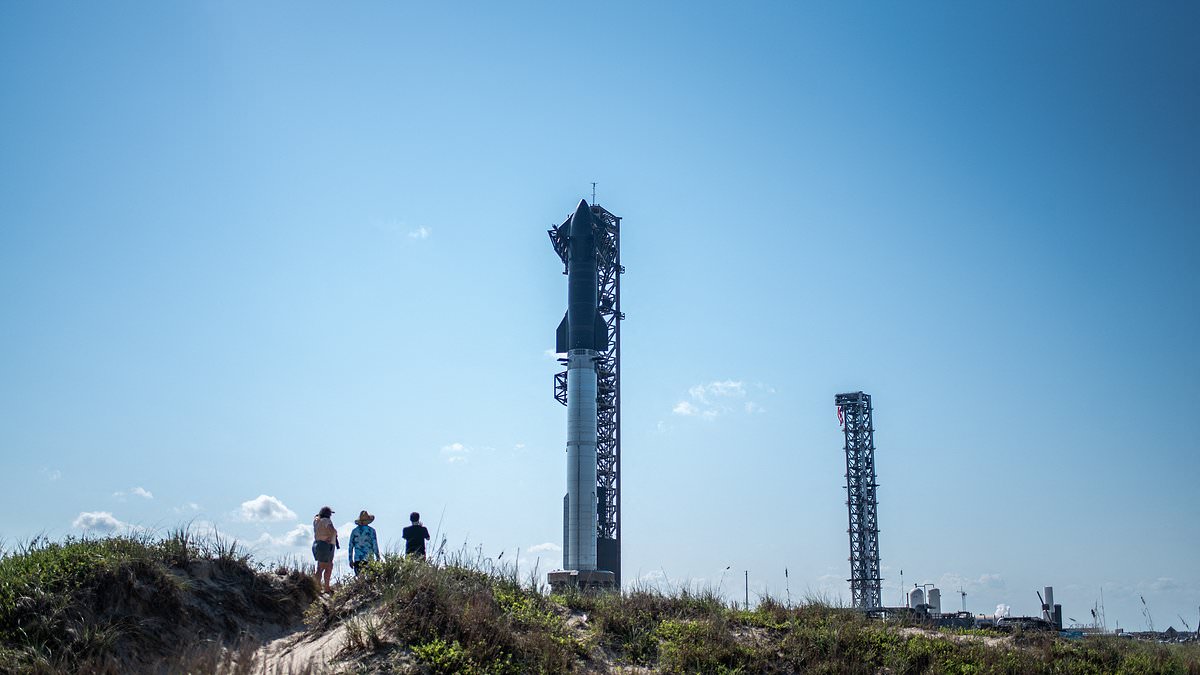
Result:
[[133, 604], [124, 603], [455, 618], [458, 618]]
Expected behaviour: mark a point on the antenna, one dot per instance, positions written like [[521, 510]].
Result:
[[593, 193], [1103, 616]]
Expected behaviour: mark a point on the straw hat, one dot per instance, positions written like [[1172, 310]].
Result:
[[364, 518]]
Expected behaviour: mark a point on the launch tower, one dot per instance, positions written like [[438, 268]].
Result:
[[607, 251], [854, 411]]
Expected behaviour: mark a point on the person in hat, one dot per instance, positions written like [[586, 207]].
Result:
[[325, 540], [363, 542], [415, 536]]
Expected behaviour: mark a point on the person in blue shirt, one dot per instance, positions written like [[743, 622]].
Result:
[[363, 543]]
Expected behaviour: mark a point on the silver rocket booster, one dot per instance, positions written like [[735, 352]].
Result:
[[582, 335]]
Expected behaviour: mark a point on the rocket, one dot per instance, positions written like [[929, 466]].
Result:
[[582, 336]]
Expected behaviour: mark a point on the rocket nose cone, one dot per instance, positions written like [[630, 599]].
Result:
[[582, 215], [583, 209]]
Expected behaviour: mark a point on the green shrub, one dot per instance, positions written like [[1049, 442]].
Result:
[[104, 605]]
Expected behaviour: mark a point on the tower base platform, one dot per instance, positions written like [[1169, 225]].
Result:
[[584, 580]]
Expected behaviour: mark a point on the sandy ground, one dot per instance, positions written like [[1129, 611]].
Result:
[[299, 653], [1000, 641], [302, 653]]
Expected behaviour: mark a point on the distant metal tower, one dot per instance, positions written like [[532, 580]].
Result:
[[608, 390], [854, 410]]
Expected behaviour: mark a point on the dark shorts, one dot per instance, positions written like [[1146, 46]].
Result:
[[323, 551]]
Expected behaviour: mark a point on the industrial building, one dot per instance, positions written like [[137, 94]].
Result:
[[856, 417]]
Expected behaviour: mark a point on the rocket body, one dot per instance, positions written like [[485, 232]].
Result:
[[580, 547], [582, 335]]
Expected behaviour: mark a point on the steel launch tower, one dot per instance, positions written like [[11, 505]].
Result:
[[593, 499], [854, 411]]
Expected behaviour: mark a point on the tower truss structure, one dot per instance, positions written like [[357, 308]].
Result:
[[608, 389], [854, 411]]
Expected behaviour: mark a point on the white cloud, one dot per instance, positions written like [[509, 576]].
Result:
[[655, 579], [265, 508], [52, 474], [456, 453], [99, 521], [712, 399], [705, 393], [684, 408], [951, 582], [299, 535], [990, 581], [420, 233], [205, 529], [1161, 585], [186, 508], [135, 492], [548, 547]]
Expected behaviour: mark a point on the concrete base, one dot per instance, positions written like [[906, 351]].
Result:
[[584, 580]]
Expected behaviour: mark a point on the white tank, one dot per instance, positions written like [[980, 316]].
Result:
[[916, 598], [934, 600]]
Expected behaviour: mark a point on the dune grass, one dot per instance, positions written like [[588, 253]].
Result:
[[179, 604], [117, 603], [458, 616]]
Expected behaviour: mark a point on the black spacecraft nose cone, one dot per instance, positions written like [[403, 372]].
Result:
[[582, 217]]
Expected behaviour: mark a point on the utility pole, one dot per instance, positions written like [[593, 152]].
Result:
[[747, 590]]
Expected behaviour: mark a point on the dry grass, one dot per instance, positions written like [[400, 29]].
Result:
[[178, 605], [113, 605]]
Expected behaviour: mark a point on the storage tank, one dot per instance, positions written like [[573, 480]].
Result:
[[916, 598], [934, 600]]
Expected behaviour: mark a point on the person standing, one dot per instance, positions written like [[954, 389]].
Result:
[[325, 540], [415, 536], [363, 542]]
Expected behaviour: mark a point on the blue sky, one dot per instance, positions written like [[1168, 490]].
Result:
[[257, 259]]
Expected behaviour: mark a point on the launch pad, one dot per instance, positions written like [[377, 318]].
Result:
[[584, 580]]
